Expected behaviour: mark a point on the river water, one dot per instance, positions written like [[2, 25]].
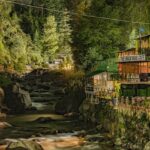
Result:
[[65, 141], [24, 127]]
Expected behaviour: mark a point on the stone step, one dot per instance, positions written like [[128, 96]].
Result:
[[51, 90], [39, 106], [39, 90], [45, 99], [41, 94]]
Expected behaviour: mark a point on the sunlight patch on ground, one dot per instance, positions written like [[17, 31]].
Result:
[[32, 117]]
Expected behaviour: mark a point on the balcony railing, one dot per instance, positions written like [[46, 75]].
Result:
[[133, 58], [92, 88], [143, 78]]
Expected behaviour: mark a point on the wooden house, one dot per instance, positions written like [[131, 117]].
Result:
[[134, 68], [130, 77], [134, 63]]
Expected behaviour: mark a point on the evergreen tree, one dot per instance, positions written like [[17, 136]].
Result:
[[16, 44], [50, 39], [4, 55], [65, 32], [91, 39], [96, 39], [34, 56], [4, 22]]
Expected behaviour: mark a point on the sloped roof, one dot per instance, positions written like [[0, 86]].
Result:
[[144, 36], [130, 49], [109, 65]]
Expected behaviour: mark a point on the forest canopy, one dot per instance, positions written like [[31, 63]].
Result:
[[35, 36]]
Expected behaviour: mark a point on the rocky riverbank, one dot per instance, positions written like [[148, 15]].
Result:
[[32, 101], [127, 129], [52, 132], [62, 92], [29, 101], [55, 91]]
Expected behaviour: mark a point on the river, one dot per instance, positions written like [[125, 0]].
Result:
[[58, 134]]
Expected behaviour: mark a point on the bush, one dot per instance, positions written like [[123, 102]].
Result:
[[20, 67], [74, 79], [4, 80]]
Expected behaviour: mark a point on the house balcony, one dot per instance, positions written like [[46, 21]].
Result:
[[134, 58], [136, 79], [92, 89]]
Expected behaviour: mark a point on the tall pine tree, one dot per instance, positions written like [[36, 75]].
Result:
[[50, 39], [65, 39]]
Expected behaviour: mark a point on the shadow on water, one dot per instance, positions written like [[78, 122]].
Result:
[[58, 134]]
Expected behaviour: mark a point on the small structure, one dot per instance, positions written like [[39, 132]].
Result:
[[101, 84]]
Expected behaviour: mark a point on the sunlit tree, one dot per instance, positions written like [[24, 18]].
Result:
[[50, 39]]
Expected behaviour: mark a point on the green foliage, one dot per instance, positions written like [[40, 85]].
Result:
[[65, 32], [4, 80], [34, 56], [96, 39], [16, 44], [50, 39], [145, 103], [91, 40], [75, 80], [5, 57]]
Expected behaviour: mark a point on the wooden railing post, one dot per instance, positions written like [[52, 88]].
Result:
[[132, 100], [127, 100]]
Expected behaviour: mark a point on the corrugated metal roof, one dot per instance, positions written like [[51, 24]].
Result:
[[109, 65]]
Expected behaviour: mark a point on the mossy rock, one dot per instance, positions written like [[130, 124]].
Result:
[[24, 145], [86, 106]]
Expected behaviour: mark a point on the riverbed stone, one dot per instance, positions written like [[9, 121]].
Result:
[[44, 120], [70, 102], [24, 145], [1, 98], [118, 142], [17, 99], [2, 116], [147, 146], [4, 125]]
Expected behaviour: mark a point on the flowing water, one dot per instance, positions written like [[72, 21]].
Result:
[[39, 106], [24, 127]]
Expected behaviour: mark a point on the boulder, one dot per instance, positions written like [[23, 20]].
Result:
[[16, 99], [24, 145], [71, 115], [4, 125], [1, 98], [44, 120], [147, 146], [70, 103], [2, 116]]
